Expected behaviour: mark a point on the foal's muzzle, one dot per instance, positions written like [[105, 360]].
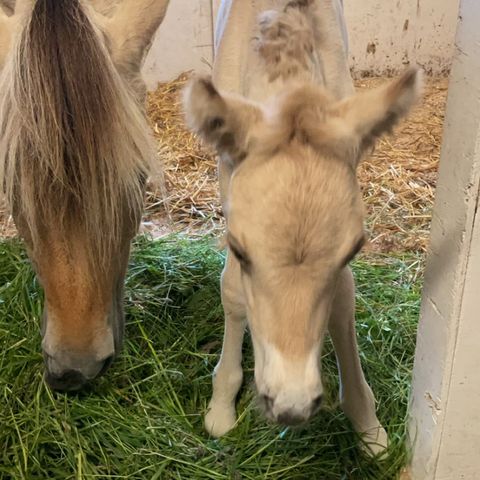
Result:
[[290, 416]]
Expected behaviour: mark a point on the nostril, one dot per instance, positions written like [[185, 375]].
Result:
[[317, 403], [106, 364], [68, 381], [267, 401], [290, 419]]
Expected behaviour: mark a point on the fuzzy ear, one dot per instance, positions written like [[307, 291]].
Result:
[[130, 29], [367, 116], [226, 122]]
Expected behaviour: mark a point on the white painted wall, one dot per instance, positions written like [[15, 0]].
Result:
[[384, 35], [445, 413], [184, 42]]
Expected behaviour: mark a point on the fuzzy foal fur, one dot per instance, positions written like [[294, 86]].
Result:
[[293, 208]]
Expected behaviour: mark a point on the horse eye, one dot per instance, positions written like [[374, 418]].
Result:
[[354, 251], [215, 123], [350, 258]]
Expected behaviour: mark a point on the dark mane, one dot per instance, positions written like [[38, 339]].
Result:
[[74, 144]]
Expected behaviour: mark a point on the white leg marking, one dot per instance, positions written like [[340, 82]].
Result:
[[356, 396], [228, 374]]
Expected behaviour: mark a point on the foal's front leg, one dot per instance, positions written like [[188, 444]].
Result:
[[228, 374], [356, 397]]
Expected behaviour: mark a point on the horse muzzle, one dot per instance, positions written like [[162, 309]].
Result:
[[67, 376]]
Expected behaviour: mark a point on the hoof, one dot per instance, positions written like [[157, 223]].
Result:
[[220, 420], [374, 442]]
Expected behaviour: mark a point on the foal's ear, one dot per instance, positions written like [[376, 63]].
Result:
[[226, 122], [131, 28], [369, 115]]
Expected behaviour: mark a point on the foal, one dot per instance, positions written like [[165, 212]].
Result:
[[75, 151], [294, 219]]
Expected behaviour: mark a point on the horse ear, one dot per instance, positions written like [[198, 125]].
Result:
[[104, 7], [22, 7], [224, 122], [7, 6], [371, 114], [131, 28], [12, 14], [6, 31]]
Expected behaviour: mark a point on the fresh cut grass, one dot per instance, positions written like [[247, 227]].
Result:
[[143, 419]]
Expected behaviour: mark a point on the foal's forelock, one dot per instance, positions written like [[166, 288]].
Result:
[[74, 143]]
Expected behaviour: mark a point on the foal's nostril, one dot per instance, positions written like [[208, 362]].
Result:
[[267, 401], [290, 419], [316, 404]]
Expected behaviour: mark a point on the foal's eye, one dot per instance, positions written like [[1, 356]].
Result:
[[239, 253], [215, 123], [240, 256]]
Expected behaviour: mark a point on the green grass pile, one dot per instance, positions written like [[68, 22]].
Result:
[[143, 420]]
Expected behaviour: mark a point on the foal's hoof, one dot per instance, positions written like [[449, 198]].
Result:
[[374, 442], [220, 420]]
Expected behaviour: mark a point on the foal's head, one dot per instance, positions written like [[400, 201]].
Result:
[[75, 151], [294, 216]]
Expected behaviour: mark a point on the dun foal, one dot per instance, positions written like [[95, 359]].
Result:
[[75, 152], [294, 213]]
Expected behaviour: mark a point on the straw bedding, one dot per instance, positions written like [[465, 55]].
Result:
[[398, 180]]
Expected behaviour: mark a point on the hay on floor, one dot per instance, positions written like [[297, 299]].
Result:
[[398, 179], [190, 171]]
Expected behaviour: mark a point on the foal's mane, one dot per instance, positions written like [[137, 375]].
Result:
[[74, 143], [288, 40]]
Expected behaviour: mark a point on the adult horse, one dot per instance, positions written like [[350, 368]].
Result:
[[75, 151], [290, 138]]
